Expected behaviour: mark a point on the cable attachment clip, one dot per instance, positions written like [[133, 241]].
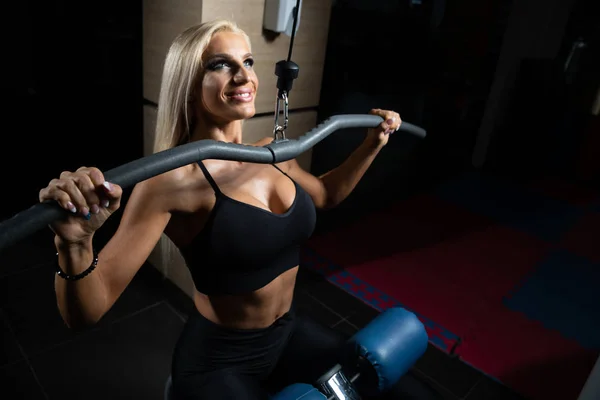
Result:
[[279, 130], [286, 72]]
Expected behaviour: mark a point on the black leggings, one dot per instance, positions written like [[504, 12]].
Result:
[[217, 363]]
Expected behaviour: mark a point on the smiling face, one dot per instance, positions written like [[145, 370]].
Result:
[[229, 84]]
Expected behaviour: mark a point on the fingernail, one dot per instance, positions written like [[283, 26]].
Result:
[[107, 185], [71, 207], [85, 211], [389, 121], [95, 209], [105, 203]]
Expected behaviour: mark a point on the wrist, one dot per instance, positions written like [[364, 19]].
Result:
[[74, 248], [373, 143], [75, 260]]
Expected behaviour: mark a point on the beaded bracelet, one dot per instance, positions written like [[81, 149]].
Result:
[[83, 274]]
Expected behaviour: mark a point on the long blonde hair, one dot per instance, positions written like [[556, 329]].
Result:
[[182, 67]]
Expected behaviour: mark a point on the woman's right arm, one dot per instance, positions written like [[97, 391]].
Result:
[[85, 301]]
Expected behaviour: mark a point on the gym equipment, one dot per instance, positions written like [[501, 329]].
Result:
[[286, 71], [299, 391], [40, 215], [376, 357], [336, 385]]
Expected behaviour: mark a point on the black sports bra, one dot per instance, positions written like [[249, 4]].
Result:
[[243, 247]]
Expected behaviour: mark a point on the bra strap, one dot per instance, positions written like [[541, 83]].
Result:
[[209, 178], [280, 170]]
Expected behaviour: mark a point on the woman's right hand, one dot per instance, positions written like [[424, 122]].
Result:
[[88, 198]]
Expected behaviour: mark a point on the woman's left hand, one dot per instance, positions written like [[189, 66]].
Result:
[[379, 135]]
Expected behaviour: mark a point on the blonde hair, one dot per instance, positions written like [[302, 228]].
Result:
[[182, 67]]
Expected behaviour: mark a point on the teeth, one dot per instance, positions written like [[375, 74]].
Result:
[[242, 95]]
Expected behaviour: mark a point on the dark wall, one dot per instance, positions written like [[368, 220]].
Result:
[[72, 92], [544, 128], [432, 62]]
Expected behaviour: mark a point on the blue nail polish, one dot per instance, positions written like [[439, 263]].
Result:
[[88, 216]]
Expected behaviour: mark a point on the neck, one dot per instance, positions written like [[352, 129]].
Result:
[[230, 131]]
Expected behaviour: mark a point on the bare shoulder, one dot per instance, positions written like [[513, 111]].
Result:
[[169, 180], [161, 191], [147, 213]]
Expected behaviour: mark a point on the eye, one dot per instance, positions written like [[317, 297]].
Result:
[[219, 64], [216, 65]]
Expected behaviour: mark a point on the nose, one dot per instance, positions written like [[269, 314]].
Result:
[[242, 75]]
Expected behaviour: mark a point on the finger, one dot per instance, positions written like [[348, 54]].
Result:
[[52, 192], [386, 115], [46, 193], [112, 195], [95, 175], [112, 190], [97, 178], [391, 120], [72, 191], [80, 189], [398, 121], [88, 190], [109, 194], [388, 124], [394, 121], [64, 200]]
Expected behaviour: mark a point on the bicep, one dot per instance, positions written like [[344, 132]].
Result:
[[311, 184], [144, 219]]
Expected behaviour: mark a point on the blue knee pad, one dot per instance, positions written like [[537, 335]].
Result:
[[387, 348]]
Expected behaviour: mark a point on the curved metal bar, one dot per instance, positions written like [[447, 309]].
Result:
[[40, 215]]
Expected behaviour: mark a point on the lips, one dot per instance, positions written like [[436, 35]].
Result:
[[242, 94]]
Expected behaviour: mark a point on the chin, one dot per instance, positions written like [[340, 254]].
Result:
[[246, 113], [249, 115]]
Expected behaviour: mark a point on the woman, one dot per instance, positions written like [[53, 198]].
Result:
[[238, 225]]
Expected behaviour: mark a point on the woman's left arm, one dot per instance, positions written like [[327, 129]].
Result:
[[331, 188]]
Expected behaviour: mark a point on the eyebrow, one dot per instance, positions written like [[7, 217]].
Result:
[[228, 56]]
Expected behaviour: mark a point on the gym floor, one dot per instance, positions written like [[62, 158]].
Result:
[[127, 355]]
